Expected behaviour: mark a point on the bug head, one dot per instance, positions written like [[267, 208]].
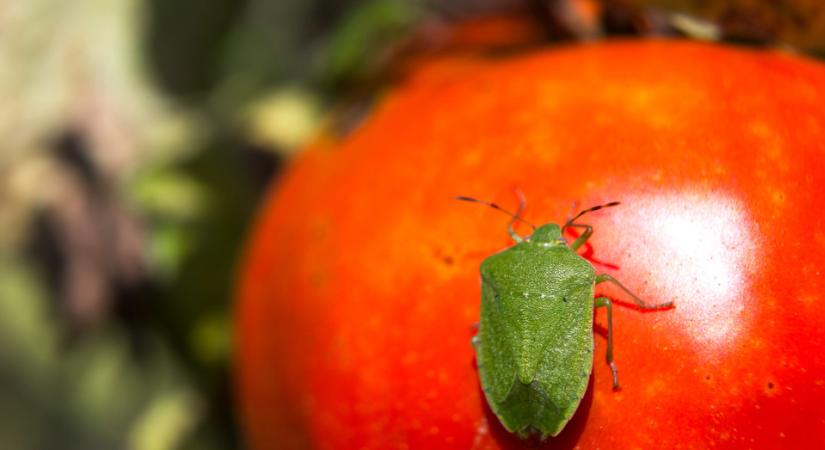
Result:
[[547, 234]]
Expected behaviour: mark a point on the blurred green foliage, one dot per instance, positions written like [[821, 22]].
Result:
[[175, 116]]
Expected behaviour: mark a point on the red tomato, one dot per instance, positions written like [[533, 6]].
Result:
[[360, 287]]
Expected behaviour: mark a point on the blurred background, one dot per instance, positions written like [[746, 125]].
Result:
[[137, 138]]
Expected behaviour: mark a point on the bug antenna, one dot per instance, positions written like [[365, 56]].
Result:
[[515, 217], [588, 210]]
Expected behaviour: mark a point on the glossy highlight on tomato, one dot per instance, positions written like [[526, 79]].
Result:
[[359, 291]]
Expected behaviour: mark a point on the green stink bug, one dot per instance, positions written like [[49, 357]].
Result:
[[534, 343]]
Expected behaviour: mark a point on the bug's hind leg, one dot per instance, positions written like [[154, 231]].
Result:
[[639, 302], [605, 302]]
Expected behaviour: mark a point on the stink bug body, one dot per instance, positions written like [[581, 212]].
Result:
[[534, 347]]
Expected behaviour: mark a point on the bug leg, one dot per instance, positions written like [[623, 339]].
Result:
[[588, 231], [639, 302], [605, 302], [573, 208], [522, 204], [515, 217]]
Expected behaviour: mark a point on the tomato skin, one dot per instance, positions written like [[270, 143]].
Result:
[[360, 286]]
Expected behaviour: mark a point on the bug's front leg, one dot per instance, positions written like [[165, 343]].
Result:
[[605, 302], [588, 231], [522, 204], [639, 302]]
